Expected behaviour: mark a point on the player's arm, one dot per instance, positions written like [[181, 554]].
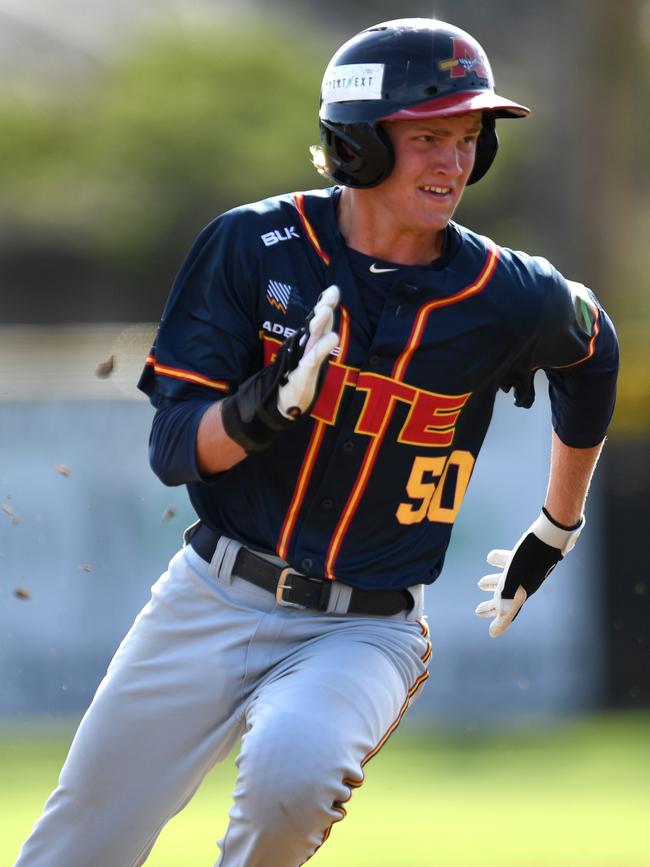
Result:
[[193, 439], [275, 398], [208, 343], [551, 536], [215, 450], [579, 353], [569, 478]]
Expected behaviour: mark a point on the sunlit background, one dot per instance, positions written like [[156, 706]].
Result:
[[125, 125]]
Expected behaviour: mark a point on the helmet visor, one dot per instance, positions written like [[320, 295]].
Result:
[[459, 103]]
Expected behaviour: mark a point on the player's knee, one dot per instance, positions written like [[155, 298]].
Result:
[[293, 810], [291, 801], [297, 780]]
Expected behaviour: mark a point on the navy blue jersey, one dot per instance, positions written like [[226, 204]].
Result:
[[367, 489]]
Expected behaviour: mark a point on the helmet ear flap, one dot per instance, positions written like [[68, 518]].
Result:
[[487, 146], [361, 155], [357, 155], [344, 152]]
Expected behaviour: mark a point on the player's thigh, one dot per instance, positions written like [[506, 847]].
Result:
[[327, 709], [170, 703]]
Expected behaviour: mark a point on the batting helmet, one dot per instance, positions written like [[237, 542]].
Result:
[[402, 70]]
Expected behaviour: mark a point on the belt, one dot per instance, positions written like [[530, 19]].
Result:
[[295, 590]]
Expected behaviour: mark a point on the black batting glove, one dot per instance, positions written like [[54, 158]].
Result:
[[525, 568], [276, 397]]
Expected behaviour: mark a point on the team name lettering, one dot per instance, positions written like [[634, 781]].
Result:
[[338, 376], [431, 420], [274, 328], [278, 235]]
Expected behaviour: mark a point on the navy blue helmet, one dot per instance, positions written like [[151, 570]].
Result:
[[402, 70]]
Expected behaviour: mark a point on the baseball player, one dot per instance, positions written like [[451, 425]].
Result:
[[323, 377]]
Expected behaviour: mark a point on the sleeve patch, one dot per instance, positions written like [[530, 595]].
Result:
[[584, 306]]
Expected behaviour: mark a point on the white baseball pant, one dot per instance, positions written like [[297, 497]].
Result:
[[211, 658]]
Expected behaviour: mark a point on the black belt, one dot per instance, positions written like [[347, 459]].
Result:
[[295, 590]]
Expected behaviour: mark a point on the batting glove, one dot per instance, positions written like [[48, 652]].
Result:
[[276, 397], [525, 568]]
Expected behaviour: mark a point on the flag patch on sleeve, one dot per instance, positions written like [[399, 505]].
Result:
[[278, 295]]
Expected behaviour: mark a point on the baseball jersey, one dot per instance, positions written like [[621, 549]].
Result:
[[366, 490]]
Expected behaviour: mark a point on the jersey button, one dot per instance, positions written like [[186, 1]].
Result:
[[348, 446], [374, 360], [327, 504], [306, 564]]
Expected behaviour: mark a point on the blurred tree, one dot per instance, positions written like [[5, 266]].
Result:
[[104, 185], [114, 181], [615, 191]]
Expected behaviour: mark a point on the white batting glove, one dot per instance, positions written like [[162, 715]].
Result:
[[524, 569], [297, 393], [282, 393]]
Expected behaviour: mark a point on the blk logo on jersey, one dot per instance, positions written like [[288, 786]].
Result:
[[279, 235], [466, 59]]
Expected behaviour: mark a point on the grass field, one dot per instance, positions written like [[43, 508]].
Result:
[[577, 795]]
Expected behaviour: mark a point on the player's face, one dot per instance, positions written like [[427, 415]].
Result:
[[433, 160]]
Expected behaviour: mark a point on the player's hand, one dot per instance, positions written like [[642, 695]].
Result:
[[315, 341], [524, 569], [276, 397]]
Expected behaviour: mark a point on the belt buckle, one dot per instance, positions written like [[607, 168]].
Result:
[[282, 586]]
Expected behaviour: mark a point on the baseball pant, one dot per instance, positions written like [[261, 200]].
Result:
[[212, 658]]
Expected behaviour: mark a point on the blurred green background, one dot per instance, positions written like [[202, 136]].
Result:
[[573, 796], [112, 154], [126, 126], [114, 150]]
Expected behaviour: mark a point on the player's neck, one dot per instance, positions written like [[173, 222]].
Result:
[[374, 233]]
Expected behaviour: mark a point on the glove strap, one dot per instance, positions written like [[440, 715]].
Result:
[[556, 535]]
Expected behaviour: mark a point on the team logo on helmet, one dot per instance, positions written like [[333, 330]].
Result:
[[466, 59]]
